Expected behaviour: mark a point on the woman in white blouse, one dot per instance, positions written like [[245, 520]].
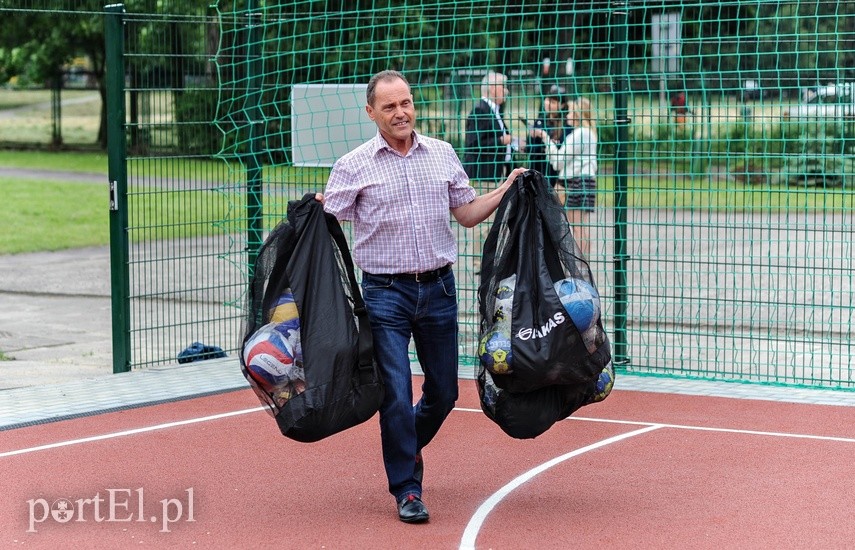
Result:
[[575, 160]]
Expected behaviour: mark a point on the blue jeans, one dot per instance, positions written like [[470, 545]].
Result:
[[426, 311]]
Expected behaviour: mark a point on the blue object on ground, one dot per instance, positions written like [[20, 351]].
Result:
[[197, 351]]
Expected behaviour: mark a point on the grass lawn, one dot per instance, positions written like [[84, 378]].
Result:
[[51, 215], [46, 215], [28, 119]]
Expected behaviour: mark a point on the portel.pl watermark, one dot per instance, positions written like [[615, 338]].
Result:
[[112, 506]]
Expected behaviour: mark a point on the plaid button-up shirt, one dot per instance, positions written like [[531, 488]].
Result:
[[399, 205]]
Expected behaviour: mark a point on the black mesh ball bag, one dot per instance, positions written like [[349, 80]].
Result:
[[307, 349]]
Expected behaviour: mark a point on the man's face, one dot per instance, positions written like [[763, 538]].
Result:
[[393, 110]]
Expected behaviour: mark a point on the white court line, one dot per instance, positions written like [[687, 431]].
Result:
[[129, 432], [459, 409], [470, 534], [700, 428]]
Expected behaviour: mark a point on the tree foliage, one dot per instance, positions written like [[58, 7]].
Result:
[[783, 44], [42, 37]]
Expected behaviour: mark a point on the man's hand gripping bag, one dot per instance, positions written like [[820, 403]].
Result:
[[542, 346], [307, 350]]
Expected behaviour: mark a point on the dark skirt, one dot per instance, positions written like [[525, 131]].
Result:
[[581, 193]]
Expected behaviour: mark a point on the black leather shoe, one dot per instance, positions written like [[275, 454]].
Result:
[[411, 509], [419, 472]]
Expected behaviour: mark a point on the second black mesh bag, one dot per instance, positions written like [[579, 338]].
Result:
[[542, 344]]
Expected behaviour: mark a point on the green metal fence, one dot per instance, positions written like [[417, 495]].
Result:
[[722, 233], [185, 260]]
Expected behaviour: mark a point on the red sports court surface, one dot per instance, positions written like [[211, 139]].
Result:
[[640, 470]]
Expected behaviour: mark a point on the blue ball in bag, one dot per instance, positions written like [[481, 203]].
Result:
[[580, 300]]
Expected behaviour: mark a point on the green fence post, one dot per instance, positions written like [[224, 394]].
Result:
[[118, 178], [620, 19], [254, 204]]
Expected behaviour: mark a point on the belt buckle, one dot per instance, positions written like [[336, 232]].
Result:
[[418, 277]]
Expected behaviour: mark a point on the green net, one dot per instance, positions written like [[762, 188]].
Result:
[[720, 234]]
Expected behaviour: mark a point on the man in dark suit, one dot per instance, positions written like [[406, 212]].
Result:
[[487, 153]]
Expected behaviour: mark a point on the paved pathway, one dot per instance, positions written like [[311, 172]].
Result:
[[36, 174], [55, 320]]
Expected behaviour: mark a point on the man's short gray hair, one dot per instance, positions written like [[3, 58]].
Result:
[[489, 79]]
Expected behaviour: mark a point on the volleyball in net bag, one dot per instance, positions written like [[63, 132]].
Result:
[[307, 349], [538, 293]]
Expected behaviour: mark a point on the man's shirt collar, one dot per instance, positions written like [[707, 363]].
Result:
[[381, 143]]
